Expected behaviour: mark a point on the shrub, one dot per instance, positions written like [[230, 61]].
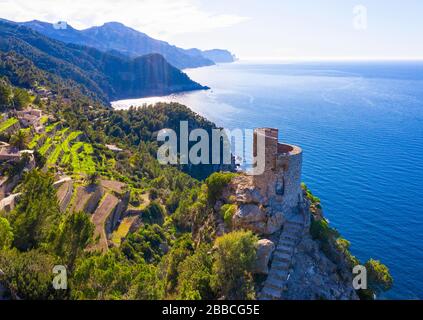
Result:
[[6, 234], [195, 276], [153, 194], [379, 277], [227, 211], [215, 184], [93, 179], [145, 244], [321, 230], [29, 274], [135, 197], [234, 258], [343, 245], [153, 214], [172, 202], [310, 196]]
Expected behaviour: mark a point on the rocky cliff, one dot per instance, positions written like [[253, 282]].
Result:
[[295, 264], [298, 254]]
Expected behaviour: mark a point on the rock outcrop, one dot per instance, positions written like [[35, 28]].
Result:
[[314, 277], [265, 249], [255, 212]]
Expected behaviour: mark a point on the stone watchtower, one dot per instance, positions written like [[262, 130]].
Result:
[[280, 182]]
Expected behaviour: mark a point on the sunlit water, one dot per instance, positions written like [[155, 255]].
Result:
[[361, 128]]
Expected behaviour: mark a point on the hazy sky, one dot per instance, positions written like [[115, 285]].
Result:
[[251, 28]]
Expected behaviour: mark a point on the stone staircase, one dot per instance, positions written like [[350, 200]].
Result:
[[282, 257]]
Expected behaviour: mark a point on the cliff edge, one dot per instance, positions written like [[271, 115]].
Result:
[[294, 261]]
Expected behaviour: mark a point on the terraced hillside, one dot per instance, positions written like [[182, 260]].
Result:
[[62, 148], [7, 125], [105, 204], [81, 158], [123, 230], [86, 198], [57, 149]]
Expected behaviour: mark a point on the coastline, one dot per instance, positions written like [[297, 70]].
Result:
[[329, 146]]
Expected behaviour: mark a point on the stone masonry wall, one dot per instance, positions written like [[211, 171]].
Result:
[[282, 173], [288, 173], [265, 201]]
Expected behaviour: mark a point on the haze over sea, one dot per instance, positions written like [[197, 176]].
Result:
[[360, 125]]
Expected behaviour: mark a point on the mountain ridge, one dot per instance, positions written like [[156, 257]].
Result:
[[115, 36], [109, 76]]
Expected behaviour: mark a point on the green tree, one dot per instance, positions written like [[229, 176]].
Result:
[[93, 178], [101, 277], [5, 93], [19, 140], [153, 214], [30, 274], [21, 98], [40, 160], [215, 184], [112, 276], [153, 194], [74, 235], [194, 280], [378, 275], [146, 244], [6, 234], [172, 202], [35, 217], [147, 284], [182, 248], [227, 212], [234, 259]]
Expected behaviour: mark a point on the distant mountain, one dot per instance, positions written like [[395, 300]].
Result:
[[116, 37], [219, 56], [109, 76]]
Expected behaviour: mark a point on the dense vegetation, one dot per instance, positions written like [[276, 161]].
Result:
[[108, 76], [10, 96], [157, 261]]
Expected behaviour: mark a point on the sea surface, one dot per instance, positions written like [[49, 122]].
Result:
[[360, 125]]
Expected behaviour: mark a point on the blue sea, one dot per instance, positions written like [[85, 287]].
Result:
[[360, 125]]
